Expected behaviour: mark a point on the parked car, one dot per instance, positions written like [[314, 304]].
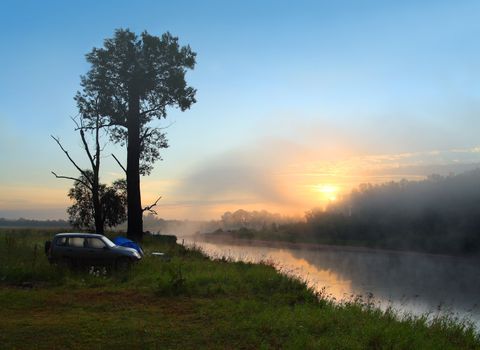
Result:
[[88, 249]]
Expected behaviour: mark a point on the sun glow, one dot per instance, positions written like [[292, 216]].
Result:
[[329, 192]]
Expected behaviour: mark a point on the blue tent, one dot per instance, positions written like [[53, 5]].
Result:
[[125, 242]]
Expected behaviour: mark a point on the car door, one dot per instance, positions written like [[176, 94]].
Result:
[[60, 248], [97, 249], [76, 249]]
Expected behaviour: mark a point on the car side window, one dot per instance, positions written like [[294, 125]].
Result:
[[95, 243], [76, 242], [62, 241]]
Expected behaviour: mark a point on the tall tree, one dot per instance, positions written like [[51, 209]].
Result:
[[134, 79]]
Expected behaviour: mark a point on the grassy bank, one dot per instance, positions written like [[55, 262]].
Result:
[[190, 302]]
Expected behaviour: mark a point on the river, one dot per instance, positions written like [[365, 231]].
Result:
[[410, 283]]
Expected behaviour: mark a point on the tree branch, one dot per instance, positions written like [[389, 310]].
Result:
[[93, 127], [72, 178], [87, 149], [146, 134], [81, 128], [154, 109], [149, 131], [149, 207], [70, 159], [120, 164]]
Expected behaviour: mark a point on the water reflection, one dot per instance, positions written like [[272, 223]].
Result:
[[408, 282]]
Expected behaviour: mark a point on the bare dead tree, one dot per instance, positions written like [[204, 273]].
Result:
[[90, 180]]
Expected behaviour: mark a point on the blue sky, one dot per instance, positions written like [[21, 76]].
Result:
[[286, 90]]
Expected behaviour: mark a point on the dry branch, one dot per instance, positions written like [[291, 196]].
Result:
[[70, 159], [72, 178], [120, 164], [149, 207]]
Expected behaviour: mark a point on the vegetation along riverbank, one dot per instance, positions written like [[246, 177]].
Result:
[[190, 302]]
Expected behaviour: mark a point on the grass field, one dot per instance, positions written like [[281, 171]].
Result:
[[190, 302]]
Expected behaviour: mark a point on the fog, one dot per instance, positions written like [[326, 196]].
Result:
[[438, 214], [234, 173], [280, 175]]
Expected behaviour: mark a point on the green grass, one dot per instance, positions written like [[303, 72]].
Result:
[[190, 302]]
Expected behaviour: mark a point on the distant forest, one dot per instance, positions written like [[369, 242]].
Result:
[[151, 223], [34, 223], [440, 214]]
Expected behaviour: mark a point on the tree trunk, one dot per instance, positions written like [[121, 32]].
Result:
[[97, 211], [97, 205], [134, 202]]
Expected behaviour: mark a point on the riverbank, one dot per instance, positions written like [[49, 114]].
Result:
[[190, 302]]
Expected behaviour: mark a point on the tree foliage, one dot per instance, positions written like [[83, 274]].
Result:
[[151, 68], [113, 203]]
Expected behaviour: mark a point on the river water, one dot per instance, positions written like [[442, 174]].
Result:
[[411, 283]]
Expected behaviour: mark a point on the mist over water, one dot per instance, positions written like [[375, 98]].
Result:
[[411, 283]]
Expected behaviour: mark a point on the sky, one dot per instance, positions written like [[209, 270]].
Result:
[[298, 102]]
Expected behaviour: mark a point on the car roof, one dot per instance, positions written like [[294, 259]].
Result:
[[79, 234]]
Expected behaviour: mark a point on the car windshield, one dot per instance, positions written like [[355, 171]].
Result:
[[108, 242]]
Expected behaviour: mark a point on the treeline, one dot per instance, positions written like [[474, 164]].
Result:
[[34, 223], [257, 220], [152, 224], [440, 214]]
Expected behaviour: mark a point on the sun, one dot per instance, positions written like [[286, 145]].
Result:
[[328, 191]]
